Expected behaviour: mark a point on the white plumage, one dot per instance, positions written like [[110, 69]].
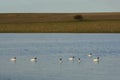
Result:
[[71, 58], [60, 60], [79, 60], [13, 59], [96, 59], [90, 55], [33, 59]]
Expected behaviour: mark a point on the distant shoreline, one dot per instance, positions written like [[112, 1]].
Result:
[[59, 23]]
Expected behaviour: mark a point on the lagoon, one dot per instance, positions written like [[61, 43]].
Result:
[[49, 47]]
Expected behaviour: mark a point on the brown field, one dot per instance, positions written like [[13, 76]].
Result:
[[59, 23]]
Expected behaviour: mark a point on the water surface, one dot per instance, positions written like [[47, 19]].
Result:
[[48, 48]]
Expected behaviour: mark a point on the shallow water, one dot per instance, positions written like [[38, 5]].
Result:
[[48, 48]]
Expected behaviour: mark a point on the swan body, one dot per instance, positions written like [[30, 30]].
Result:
[[79, 60], [13, 59], [71, 58], [96, 59], [90, 55], [33, 59], [60, 60]]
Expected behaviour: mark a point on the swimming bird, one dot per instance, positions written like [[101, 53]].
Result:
[[90, 55], [96, 59], [60, 60], [33, 59], [71, 58], [13, 59], [78, 60]]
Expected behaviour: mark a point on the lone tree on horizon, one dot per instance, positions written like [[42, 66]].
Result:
[[78, 17]]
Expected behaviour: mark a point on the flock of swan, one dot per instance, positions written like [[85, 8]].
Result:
[[72, 59], [34, 59]]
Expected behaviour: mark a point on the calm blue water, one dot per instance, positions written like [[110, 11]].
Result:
[[48, 48]]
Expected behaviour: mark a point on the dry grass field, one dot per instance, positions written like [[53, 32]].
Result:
[[59, 23]]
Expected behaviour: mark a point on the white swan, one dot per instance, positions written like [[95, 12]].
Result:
[[78, 60], [13, 59], [60, 60], [90, 55], [33, 59], [96, 59], [71, 58]]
